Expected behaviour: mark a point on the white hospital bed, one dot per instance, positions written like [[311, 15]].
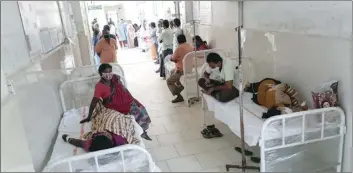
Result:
[[304, 141], [76, 96]]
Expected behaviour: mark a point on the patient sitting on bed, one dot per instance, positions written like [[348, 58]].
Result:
[[221, 86], [217, 81], [109, 129]]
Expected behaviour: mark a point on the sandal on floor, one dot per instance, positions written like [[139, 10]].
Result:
[[178, 99], [247, 152], [255, 159], [206, 134], [145, 136], [214, 131], [65, 137]]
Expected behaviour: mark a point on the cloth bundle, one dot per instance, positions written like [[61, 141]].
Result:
[[104, 119], [278, 98]]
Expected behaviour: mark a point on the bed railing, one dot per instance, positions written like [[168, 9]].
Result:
[[95, 155], [75, 94], [79, 92], [91, 70], [317, 130], [190, 63]]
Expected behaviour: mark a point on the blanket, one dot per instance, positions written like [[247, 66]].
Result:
[[105, 119]]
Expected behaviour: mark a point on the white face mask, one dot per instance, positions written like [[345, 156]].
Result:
[[215, 69], [107, 76]]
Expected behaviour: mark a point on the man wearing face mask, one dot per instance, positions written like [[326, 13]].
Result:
[[217, 81], [218, 78], [106, 48]]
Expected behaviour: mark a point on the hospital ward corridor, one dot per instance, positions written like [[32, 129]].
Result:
[[176, 86]]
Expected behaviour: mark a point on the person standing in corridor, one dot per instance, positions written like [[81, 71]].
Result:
[[166, 40], [177, 31], [106, 49]]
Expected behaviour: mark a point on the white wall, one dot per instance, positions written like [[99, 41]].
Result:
[[305, 61], [33, 114], [83, 31], [313, 44], [4, 89], [14, 52], [331, 18]]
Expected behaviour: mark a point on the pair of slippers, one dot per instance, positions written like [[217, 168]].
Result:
[[248, 153], [211, 132]]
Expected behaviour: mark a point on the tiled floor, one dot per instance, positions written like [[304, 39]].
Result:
[[177, 144]]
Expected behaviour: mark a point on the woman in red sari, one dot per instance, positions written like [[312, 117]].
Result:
[[200, 44], [115, 96]]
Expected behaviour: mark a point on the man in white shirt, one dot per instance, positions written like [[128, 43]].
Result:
[[166, 43], [218, 78], [158, 33], [177, 31]]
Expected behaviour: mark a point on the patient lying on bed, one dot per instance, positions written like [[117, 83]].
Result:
[[109, 129], [98, 141], [279, 98]]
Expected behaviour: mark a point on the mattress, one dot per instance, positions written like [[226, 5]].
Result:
[[228, 113], [134, 160]]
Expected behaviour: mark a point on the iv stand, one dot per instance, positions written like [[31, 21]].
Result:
[[197, 98], [243, 165]]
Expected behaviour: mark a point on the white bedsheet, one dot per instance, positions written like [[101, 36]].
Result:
[[70, 125], [228, 113]]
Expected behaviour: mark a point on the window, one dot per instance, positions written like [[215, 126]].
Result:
[[44, 31], [205, 12], [202, 11]]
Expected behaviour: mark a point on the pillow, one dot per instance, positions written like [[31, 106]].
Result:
[[326, 95]]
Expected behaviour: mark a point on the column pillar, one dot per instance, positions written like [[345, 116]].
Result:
[[83, 34]]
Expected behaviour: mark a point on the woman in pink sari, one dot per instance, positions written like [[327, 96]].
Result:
[[131, 34]]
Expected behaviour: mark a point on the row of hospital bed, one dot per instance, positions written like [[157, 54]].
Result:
[[303, 141], [76, 94], [310, 140]]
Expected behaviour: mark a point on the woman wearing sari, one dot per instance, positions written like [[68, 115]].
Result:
[[200, 44], [109, 129], [115, 96], [130, 35]]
